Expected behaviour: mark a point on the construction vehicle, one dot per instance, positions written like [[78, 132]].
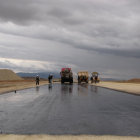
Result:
[[83, 76], [66, 75], [95, 77]]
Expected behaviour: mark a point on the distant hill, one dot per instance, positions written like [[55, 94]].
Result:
[[7, 75], [41, 74]]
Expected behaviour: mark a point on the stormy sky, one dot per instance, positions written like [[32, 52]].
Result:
[[93, 35]]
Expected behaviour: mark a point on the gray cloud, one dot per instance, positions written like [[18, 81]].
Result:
[[17, 11], [59, 13], [64, 31]]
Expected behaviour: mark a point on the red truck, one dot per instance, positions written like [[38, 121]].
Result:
[[66, 75]]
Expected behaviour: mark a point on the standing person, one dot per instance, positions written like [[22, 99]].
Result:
[[96, 78], [37, 80], [91, 79], [50, 77]]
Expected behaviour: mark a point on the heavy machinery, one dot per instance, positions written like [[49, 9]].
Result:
[[83, 76], [66, 75], [95, 77]]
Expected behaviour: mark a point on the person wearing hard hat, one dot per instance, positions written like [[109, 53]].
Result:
[[37, 80]]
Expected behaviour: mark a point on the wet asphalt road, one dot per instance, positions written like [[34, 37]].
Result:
[[70, 109]]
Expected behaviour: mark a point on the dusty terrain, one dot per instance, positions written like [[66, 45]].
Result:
[[10, 81], [129, 87], [6, 74], [8, 86], [68, 137]]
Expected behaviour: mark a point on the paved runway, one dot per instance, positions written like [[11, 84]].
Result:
[[70, 109]]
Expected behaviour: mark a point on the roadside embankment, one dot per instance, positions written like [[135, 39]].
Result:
[[9, 86], [133, 88], [65, 137]]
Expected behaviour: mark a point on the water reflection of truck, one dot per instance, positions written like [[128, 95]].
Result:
[[83, 76], [66, 75]]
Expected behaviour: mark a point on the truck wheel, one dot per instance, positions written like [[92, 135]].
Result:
[[62, 82], [71, 81]]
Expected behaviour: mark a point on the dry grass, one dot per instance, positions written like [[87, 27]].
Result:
[[65, 137]]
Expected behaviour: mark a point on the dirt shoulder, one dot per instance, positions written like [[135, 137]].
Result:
[[9, 86], [65, 137], [133, 88]]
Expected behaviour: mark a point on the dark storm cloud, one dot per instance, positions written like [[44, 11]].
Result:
[[59, 13], [125, 53], [17, 11], [90, 27], [116, 45]]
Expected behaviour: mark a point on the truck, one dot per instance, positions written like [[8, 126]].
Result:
[[66, 75], [83, 76]]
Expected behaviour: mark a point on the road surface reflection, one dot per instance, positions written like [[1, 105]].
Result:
[[70, 109]]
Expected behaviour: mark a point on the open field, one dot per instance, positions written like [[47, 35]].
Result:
[[129, 87], [8, 86]]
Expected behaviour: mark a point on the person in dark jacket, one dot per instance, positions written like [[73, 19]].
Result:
[[96, 78], [37, 80], [50, 77]]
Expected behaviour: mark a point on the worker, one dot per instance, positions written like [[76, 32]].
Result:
[[91, 79], [96, 78], [37, 80], [50, 77]]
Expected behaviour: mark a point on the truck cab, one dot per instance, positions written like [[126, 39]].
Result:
[[66, 75], [83, 76]]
